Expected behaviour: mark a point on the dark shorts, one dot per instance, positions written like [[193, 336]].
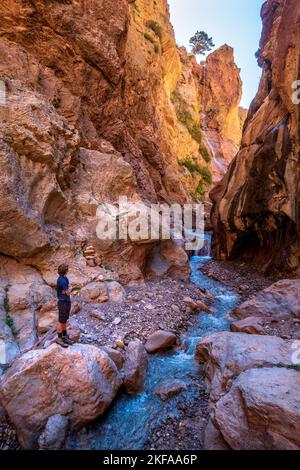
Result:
[[64, 309]]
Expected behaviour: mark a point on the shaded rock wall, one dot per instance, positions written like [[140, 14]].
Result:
[[256, 206]]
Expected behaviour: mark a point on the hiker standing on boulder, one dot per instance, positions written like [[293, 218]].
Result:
[[64, 306]]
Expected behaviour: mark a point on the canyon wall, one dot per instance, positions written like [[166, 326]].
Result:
[[256, 206], [223, 118], [99, 102]]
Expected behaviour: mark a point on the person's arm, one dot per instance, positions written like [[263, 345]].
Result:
[[63, 287], [67, 290]]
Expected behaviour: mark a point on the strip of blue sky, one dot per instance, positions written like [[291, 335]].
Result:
[[234, 22]]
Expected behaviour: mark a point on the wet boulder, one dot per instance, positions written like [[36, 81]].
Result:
[[135, 367], [169, 389], [249, 325], [160, 340]]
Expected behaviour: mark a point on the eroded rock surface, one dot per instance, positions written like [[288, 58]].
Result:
[[256, 206], [280, 301], [253, 383], [261, 411], [79, 382]]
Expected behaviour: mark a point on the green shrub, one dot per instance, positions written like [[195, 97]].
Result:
[[204, 152], [10, 323], [156, 48], [107, 267], [156, 28], [196, 133], [201, 189], [184, 117], [288, 366], [151, 39], [194, 167], [187, 120], [206, 174], [191, 166]]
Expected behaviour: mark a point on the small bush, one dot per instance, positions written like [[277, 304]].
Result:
[[201, 189], [196, 133], [107, 267], [177, 99], [151, 39], [206, 174], [204, 152], [187, 120], [10, 323], [184, 117], [191, 166], [156, 28], [194, 167]]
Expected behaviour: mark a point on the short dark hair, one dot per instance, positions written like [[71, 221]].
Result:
[[62, 269]]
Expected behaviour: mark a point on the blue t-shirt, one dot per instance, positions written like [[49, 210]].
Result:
[[62, 285]]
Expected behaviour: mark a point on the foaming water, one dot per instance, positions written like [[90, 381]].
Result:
[[128, 422]]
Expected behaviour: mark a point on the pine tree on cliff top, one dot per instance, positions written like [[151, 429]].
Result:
[[201, 43]]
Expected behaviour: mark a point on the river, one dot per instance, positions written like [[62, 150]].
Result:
[[128, 422]]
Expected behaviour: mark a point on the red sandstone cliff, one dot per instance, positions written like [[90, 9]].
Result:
[[91, 113], [256, 206], [223, 119]]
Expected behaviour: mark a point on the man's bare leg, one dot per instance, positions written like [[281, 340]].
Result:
[[61, 328]]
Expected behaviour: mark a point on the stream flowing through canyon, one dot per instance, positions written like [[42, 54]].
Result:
[[130, 420]]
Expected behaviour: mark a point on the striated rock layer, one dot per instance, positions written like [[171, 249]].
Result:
[[99, 102], [223, 118], [256, 206]]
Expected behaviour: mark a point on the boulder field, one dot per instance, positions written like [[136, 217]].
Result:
[[253, 377]]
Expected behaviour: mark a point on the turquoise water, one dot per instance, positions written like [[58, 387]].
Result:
[[128, 422]]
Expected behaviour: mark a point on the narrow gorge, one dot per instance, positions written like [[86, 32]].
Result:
[[174, 349]]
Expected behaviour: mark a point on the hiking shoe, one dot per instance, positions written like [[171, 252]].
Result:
[[61, 342], [68, 341]]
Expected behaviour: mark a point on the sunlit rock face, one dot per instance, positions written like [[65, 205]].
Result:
[[86, 98], [223, 118], [210, 91], [256, 206], [91, 113]]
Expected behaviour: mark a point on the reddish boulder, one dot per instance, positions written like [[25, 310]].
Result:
[[250, 325], [160, 340]]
